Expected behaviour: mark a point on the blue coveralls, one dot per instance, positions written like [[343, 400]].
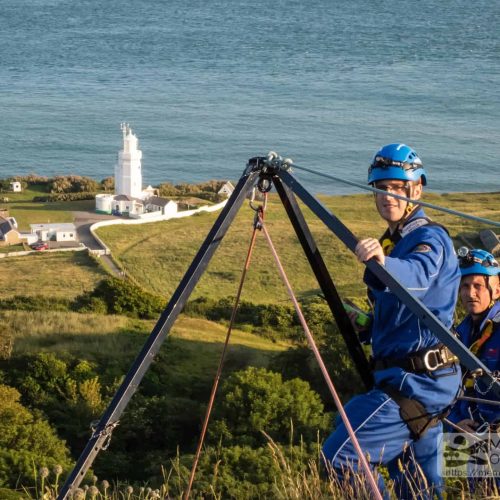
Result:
[[489, 354], [424, 261]]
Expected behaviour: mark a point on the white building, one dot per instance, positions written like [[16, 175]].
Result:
[[16, 186], [126, 205], [163, 206], [226, 189], [129, 198], [128, 173], [58, 231]]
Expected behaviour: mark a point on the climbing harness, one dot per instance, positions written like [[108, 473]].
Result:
[[424, 361]]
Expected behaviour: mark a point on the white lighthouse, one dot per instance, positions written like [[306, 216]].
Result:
[[128, 173]]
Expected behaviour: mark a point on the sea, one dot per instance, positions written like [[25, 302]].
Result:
[[208, 84]]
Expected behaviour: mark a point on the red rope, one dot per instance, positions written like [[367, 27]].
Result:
[[319, 359], [260, 214]]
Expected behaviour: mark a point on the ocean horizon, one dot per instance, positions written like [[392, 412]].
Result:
[[206, 85]]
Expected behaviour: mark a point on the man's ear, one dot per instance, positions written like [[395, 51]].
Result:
[[495, 287], [416, 190]]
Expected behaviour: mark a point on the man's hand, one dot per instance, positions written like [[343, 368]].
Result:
[[370, 248], [357, 327]]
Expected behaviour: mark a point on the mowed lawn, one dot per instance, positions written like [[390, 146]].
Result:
[[157, 255], [29, 212], [64, 274]]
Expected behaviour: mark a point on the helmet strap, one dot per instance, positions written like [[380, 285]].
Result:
[[488, 286], [410, 207]]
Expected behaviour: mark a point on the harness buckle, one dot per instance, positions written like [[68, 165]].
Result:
[[433, 360]]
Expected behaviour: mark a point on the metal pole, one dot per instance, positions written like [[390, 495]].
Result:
[[110, 418]]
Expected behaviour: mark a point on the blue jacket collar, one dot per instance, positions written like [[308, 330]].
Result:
[[493, 314]]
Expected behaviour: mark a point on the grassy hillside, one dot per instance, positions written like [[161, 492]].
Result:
[[157, 255], [64, 275], [170, 403], [97, 338]]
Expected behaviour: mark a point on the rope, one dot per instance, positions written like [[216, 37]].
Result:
[[461, 429], [260, 213], [463, 215], [480, 400], [319, 359]]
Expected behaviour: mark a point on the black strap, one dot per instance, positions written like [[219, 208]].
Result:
[[414, 414], [424, 361]]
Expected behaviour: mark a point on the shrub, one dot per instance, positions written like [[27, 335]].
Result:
[[119, 296], [268, 320], [35, 303], [256, 400], [246, 472], [73, 184], [68, 392], [25, 440], [108, 184]]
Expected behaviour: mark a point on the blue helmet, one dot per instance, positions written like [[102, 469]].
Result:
[[396, 161], [477, 261]]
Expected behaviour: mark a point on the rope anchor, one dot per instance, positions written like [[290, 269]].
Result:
[[106, 432]]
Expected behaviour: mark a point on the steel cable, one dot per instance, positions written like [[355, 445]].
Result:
[[463, 215]]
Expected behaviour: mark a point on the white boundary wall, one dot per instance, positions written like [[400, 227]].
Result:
[[144, 220], [27, 252]]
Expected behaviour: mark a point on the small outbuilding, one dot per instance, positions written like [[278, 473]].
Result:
[[16, 186], [226, 189], [9, 235], [162, 205], [62, 231]]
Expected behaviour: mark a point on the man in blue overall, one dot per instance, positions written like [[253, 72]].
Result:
[[416, 377], [480, 332]]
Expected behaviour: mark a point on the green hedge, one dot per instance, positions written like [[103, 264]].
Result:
[[65, 197]]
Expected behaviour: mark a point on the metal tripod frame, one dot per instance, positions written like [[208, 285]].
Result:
[[264, 172]]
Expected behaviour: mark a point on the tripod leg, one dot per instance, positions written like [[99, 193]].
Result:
[[141, 364], [325, 282]]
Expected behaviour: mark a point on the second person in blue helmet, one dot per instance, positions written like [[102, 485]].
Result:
[[480, 332], [416, 378]]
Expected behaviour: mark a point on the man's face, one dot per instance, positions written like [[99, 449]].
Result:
[[393, 209], [475, 295]]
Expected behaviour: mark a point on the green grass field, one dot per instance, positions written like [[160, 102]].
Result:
[[26, 211], [157, 255], [196, 344], [65, 274]]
